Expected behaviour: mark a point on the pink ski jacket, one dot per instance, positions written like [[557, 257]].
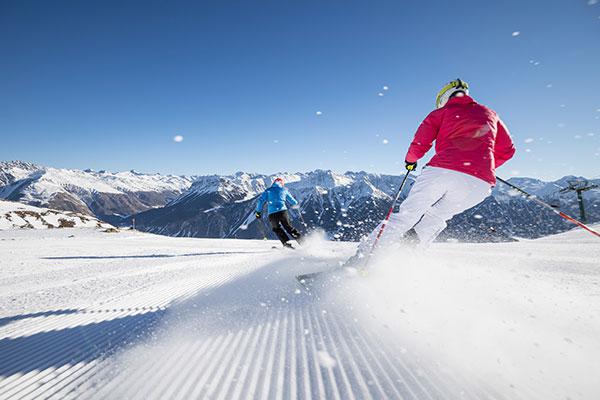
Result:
[[469, 138]]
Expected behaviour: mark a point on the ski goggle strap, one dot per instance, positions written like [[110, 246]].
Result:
[[456, 84]]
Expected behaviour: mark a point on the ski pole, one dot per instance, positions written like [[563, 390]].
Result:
[[389, 214], [548, 206], [302, 218]]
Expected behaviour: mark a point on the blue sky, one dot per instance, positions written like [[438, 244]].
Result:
[[108, 85]]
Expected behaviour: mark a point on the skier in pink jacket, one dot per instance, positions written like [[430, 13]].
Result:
[[470, 143]]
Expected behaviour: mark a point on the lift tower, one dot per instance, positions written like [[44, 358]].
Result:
[[579, 186]]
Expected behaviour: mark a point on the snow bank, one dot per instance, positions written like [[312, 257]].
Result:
[[522, 317], [20, 216], [140, 316]]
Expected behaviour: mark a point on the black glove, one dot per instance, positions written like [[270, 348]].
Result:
[[411, 166], [257, 214]]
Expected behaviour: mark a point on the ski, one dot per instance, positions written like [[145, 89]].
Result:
[[309, 279], [290, 247]]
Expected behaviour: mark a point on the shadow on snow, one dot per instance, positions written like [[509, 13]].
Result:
[[214, 253]]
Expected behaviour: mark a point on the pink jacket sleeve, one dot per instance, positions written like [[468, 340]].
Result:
[[425, 136], [504, 148]]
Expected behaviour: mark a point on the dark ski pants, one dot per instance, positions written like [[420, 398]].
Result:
[[280, 221]]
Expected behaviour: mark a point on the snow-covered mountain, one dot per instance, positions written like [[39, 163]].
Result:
[[346, 206], [219, 206], [106, 195], [15, 215], [349, 205]]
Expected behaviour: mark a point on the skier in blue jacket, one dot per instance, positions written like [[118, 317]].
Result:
[[276, 197]]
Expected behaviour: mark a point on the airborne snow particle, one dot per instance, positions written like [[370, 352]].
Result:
[[319, 113], [178, 138], [385, 88], [478, 216], [592, 2], [529, 140], [561, 125], [516, 33], [549, 85], [577, 137], [385, 141], [380, 94], [276, 141], [325, 360]]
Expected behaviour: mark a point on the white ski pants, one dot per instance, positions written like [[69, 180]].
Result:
[[437, 195]]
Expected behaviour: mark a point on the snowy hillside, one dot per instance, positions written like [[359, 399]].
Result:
[[19, 216], [139, 316], [103, 194]]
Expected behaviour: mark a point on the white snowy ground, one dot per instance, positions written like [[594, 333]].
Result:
[[86, 314]]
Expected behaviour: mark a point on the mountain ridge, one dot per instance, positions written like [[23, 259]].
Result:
[[345, 205]]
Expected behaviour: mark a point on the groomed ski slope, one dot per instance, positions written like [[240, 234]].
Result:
[[86, 314]]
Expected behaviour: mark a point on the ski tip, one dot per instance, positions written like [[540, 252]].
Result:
[[306, 279]]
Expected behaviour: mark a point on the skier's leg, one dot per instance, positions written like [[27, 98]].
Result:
[[426, 191], [285, 221], [464, 191], [275, 220]]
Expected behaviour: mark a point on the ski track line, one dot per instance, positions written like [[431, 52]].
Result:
[[339, 374], [276, 355], [404, 373], [34, 383], [304, 388], [66, 356], [356, 358], [271, 360], [231, 362], [170, 357], [318, 385], [258, 357], [417, 390], [235, 391], [172, 375], [230, 341], [265, 378], [147, 302]]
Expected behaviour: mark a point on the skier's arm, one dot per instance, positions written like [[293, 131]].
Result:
[[290, 199], [261, 201], [504, 148], [425, 136]]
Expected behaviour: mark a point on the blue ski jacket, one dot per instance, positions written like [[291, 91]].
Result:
[[275, 197]]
